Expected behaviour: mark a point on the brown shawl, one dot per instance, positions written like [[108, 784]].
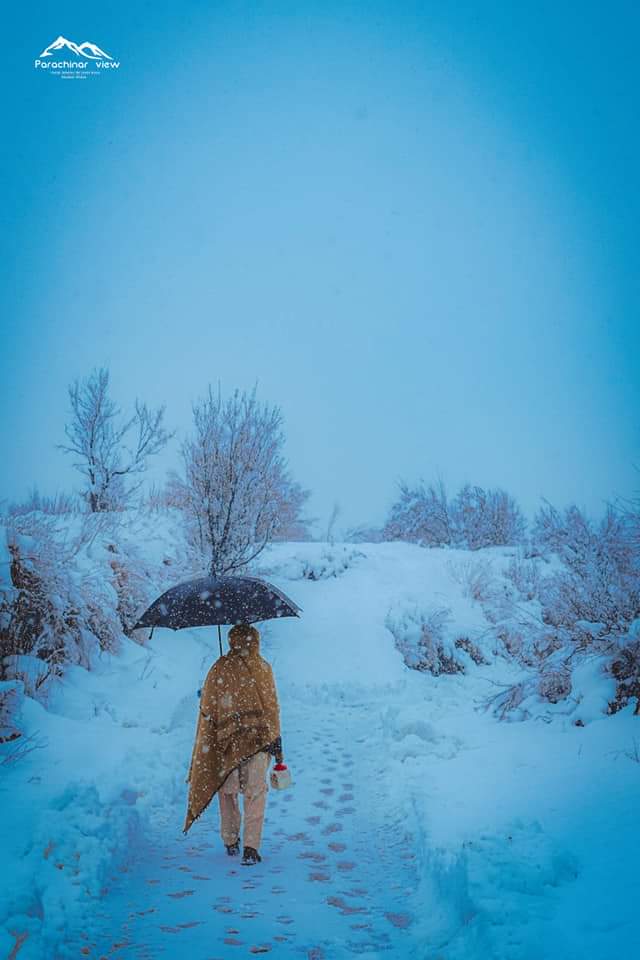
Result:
[[239, 715]]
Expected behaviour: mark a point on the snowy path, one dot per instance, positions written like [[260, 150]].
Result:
[[337, 874], [417, 824]]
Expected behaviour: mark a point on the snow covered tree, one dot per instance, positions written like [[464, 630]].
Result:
[[235, 491], [98, 438]]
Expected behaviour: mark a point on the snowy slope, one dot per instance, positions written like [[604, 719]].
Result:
[[418, 825]]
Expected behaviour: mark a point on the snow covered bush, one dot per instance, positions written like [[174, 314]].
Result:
[[524, 573], [595, 597], [476, 577], [332, 562], [47, 613], [70, 588], [586, 607], [625, 667], [60, 504], [475, 518], [421, 515], [471, 649], [555, 684], [422, 637], [312, 565], [11, 695], [486, 518]]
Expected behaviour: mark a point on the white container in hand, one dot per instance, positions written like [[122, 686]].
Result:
[[280, 777]]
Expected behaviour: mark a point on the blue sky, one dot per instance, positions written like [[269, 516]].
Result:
[[414, 225]]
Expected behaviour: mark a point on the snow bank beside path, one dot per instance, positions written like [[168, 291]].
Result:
[[527, 831], [111, 747]]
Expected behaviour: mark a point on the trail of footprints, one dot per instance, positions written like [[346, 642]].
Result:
[[324, 851]]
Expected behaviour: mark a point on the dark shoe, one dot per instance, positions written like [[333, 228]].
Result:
[[250, 856], [233, 848]]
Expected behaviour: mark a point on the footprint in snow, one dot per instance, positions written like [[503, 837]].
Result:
[[331, 828], [401, 920]]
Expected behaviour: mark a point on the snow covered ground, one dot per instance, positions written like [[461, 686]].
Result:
[[418, 825]]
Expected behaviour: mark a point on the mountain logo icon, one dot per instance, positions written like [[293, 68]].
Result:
[[86, 50]]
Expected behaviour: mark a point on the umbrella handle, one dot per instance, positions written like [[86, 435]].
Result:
[[220, 639]]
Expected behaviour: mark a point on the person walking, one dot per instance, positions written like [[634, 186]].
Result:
[[238, 731]]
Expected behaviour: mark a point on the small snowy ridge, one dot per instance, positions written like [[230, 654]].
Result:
[[417, 824]]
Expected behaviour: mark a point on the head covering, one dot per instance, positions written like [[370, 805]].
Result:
[[239, 715], [244, 638]]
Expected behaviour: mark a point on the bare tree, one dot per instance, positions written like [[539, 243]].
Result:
[[235, 491], [98, 437], [333, 516]]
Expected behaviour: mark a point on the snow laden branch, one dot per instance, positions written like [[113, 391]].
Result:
[[235, 491], [110, 453]]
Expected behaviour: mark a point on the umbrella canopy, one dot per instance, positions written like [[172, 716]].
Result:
[[216, 600]]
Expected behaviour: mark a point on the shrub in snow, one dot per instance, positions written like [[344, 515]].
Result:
[[555, 685], [476, 577], [485, 518], [330, 562], [11, 696], [68, 590], [625, 667], [472, 649], [509, 702], [61, 504], [524, 572], [47, 612], [475, 518], [585, 607], [421, 636], [131, 582], [600, 582], [421, 515]]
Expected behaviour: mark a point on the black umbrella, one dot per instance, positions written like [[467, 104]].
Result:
[[216, 600]]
